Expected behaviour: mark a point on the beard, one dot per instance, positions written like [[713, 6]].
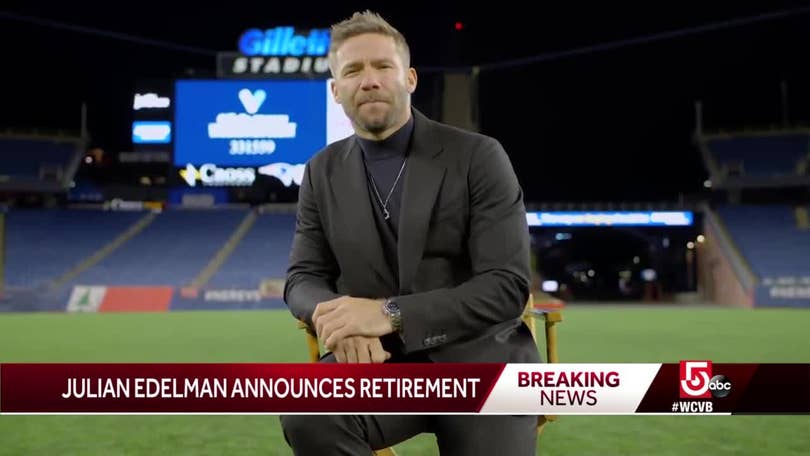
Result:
[[377, 117]]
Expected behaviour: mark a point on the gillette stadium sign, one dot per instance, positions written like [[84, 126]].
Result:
[[277, 53]]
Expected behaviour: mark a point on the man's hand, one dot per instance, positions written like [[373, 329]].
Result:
[[360, 349], [347, 316]]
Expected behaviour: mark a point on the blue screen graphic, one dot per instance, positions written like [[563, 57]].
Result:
[[151, 132], [249, 123]]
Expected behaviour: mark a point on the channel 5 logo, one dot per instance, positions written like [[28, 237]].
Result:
[[697, 381]]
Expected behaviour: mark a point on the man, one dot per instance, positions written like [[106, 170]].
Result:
[[411, 245]]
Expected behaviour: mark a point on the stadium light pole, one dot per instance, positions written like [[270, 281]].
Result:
[[784, 93], [84, 121]]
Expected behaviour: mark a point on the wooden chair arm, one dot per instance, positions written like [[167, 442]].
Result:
[[312, 342]]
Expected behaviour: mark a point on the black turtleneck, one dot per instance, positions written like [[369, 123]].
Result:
[[383, 160]]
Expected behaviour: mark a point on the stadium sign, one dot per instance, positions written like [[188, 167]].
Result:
[[277, 52], [150, 101], [671, 218], [232, 295], [211, 175]]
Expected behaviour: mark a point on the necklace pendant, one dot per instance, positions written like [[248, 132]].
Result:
[[386, 213]]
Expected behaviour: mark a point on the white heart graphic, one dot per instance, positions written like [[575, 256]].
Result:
[[252, 101]]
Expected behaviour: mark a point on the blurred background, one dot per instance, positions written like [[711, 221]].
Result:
[[150, 157]]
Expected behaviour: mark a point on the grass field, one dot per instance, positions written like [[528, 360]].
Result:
[[588, 334]]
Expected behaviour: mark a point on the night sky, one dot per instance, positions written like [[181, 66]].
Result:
[[601, 125]]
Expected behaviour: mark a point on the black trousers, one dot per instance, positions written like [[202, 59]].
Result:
[[353, 435], [468, 435]]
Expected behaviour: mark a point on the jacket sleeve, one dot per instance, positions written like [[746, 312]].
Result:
[[498, 247], [312, 270]]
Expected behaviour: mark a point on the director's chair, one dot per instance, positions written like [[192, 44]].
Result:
[[551, 313]]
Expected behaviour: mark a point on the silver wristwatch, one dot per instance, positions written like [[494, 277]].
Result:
[[391, 309]]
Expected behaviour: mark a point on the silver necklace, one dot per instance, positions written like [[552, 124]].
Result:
[[384, 204]]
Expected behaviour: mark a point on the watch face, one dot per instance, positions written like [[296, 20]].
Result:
[[391, 308]]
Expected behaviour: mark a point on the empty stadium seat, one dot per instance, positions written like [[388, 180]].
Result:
[[769, 238], [171, 251], [262, 254], [760, 155], [34, 159], [43, 244]]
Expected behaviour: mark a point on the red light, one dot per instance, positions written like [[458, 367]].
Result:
[[459, 26]]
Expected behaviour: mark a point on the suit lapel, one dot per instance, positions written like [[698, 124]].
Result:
[[349, 186], [423, 178]]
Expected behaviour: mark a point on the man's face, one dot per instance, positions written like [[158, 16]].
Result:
[[372, 84]]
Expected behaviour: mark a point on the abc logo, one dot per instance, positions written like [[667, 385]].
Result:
[[719, 386]]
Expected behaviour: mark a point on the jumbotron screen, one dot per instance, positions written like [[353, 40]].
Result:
[[270, 126]]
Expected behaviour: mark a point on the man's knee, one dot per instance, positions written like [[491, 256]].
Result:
[[314, 430], [487, 434]]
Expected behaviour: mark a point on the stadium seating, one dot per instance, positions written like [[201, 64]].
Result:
[[171, 251], [769, 238], [34, 159], [43, 244], [761, 155], [263, 253]]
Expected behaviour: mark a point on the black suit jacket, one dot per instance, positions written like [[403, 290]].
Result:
[[463, 248]]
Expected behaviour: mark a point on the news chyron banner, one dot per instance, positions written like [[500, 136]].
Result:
[[688, 387]]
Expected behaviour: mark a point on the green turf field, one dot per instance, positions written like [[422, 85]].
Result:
[[590, 334]]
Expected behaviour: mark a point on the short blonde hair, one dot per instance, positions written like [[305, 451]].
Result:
[[361, 23]]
